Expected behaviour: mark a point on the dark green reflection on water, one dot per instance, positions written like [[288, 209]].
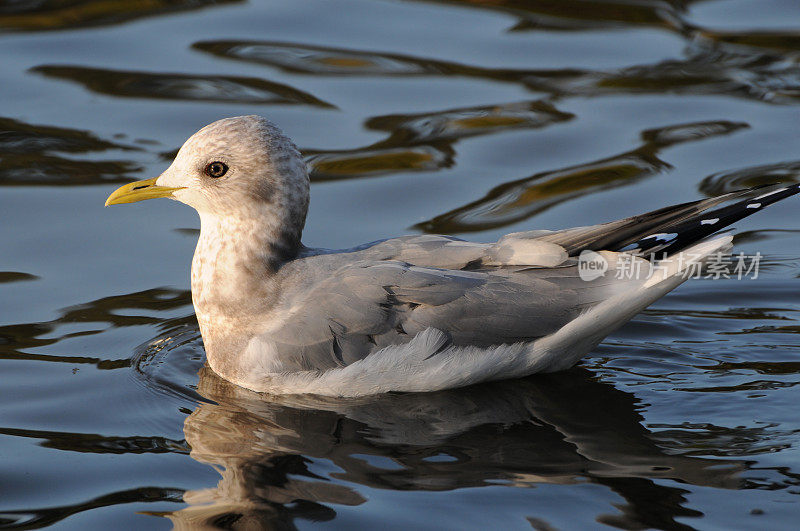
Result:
[[39, 518], [711, 66], [426, 141], [43, 154], [100, 444], [95, 317], [580, 14], [324, 61], [518, 200], [724, 182], [231, 89], [69, 14], [15, 276]]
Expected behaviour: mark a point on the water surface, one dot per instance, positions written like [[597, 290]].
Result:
[[468, 118]]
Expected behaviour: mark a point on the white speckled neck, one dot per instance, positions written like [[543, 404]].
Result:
[[234, 259]]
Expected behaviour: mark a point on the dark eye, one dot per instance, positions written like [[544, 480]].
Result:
[[216, 169]]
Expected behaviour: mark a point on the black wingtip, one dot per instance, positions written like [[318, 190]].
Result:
[[671, 238]]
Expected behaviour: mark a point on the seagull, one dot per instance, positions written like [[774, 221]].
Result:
[[415, 313]]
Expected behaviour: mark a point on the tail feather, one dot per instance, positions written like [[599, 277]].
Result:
[[672, 228], [674, 237], [570, 343]]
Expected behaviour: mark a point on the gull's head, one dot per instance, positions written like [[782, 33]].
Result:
[[236, 167]]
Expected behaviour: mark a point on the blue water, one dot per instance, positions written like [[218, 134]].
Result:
[[468, 118]]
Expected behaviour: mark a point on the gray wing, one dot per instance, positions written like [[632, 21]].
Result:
[[357, 308], [339, 307], [448, 252]]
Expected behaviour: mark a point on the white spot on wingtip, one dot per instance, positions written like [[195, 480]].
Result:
[[663, 236], [754, 205], [709, 221]]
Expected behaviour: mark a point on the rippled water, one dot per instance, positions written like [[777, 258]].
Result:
[[470, 118]]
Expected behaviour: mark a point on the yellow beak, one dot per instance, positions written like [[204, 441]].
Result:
[[139, 191]]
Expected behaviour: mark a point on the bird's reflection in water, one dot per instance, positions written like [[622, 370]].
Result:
[[562, 428]]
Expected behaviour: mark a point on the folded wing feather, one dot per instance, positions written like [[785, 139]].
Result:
[[503, 293]]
